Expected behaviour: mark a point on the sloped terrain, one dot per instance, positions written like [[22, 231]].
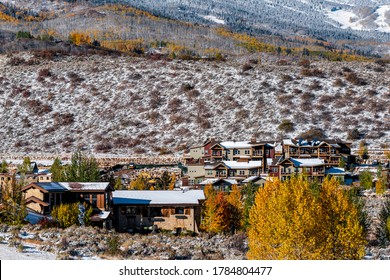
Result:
[[360, 25], [125, 105]]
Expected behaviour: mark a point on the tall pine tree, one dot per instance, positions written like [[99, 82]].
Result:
[[82, 169]]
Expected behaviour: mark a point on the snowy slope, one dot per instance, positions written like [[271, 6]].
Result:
[[127, 105]]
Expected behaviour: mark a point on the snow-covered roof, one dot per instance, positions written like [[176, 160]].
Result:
[[288, 142], [215, 180], [235, 145], [90, 186], [101, 216], [176, 197], [335, 171], [302, 162], [209, 181], [242, 165], [251, 179], [231, 181]]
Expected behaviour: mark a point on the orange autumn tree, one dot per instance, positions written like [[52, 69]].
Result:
[[293, 220], [222, 212]]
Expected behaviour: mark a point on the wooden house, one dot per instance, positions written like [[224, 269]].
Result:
[[330, 150], [175, 210], [42, 197], [313, 168]]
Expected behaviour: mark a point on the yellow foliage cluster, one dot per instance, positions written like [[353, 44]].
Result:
[[79, 38], [291, 220], [125, 10], [129, 46], [7, 18], [251, 43], [67, 214]]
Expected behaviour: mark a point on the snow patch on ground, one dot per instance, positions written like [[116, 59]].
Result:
[[382, 21], [30, 252], [347, 19], [214, 19]]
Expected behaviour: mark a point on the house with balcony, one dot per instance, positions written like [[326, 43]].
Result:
[[237, 170], [330, 150], [41, 198], [313, 168]]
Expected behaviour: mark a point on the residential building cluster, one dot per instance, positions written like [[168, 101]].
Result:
[[244, 161], [125, 210]]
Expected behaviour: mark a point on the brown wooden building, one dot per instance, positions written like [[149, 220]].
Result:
[[168, 210]]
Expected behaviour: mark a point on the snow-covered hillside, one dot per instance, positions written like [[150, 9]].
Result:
[[363, 18], [131, 105]]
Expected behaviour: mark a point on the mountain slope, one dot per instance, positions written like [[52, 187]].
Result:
[[363, 25], [130, 105]]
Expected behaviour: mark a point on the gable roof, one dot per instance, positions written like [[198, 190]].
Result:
[[133, 197], [242, 165], [85, 186], [67, 186], [335, 171], [36, 200], [46, 187], [236, 145], [307, 162]]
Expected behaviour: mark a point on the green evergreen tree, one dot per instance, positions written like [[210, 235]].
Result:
[[57, 171], [365, 179], [118, 184], [13, 210], [82, 169], [248, 192], [25, 167], [383, 232], [4, 167]]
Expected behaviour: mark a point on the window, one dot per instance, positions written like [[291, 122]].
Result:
[[236, 152], [86, 197], [241, 172], [94, 200], [209, 172], [247, 152], [131, 210], [179, 210], [155, 211]]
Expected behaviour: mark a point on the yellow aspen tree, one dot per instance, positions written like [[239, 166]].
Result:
[[209, 207], [173, 181], [292, 220], [342, 234]]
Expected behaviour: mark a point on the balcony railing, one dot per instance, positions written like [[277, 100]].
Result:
[[256, 154]]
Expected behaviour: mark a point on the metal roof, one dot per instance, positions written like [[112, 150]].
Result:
[[308, 162], [51, 186], [90, 186], [175, 197]]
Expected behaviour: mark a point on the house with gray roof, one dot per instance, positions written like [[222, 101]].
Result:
[[173, 210]]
